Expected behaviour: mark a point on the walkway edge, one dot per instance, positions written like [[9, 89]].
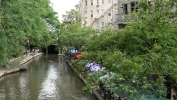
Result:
[[80, 76], [2, 73], [29, 58]]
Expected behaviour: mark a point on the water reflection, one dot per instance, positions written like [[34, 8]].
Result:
[[23, 83], [48, 89], [48, 78]]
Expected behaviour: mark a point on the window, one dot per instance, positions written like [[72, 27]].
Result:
[[115, 11], [125, 7], [132, 4], [149, 2], [102, 24], [91, 13], [97, 2], [102, 1], [85, 14], [97, 24], [109, 13], [97, 12], [102, 11], [91, 2], [86, 3], [109, 1]]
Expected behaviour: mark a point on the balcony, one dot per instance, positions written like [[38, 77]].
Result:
[[120, 19], [115, 2], [124, 18], [97, 6], [96, 16]]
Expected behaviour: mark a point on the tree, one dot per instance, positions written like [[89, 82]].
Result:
[[71, 16], [72, 34], [25, 18], [144, 53], [44, 24]]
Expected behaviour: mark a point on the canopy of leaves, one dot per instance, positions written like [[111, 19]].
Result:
[[25, 18], [73, 36], [72, 16], [144, 53]]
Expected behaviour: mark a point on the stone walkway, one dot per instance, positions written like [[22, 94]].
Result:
[[17, 64]]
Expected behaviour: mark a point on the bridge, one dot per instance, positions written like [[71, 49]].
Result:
[[52, 49]]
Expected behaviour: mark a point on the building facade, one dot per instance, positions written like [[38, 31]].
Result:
[[98, 13], [124, 8], [102, 14]]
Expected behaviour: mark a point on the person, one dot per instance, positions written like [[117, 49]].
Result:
[[26, 52], [32, 50], [174, 96]]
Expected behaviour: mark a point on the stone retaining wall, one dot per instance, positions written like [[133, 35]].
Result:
[[21, 66], [80, 76]]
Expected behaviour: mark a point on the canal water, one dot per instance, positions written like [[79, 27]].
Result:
[[48, 78]]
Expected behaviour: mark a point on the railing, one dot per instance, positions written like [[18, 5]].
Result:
[[123, 18], [102, 14], [126, 18], [119, 18], [115, 2], [108, 95]]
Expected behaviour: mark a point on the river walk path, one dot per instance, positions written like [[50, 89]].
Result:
[[17, 64]]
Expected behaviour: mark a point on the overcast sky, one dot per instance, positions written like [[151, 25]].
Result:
[[61, 6]]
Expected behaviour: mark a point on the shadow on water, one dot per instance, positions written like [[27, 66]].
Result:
[[48, 78]]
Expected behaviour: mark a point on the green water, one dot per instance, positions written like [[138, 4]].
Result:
[[48, 78]]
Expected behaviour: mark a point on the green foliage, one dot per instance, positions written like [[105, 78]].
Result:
[[79, 65], [143, 53], [21, 18], [72, 16], [73, 33], [73, 36]]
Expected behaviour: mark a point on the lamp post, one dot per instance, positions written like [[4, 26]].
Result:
[[150, 4], [149, 1], [27, 41], [28, 47], [112, 11]]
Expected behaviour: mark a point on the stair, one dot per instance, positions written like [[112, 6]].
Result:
[[101, 15]]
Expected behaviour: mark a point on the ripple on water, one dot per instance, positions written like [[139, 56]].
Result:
[[2, 95], [44, 81], [48, 88]]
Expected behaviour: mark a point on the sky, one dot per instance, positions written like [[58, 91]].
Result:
[[61, 6]]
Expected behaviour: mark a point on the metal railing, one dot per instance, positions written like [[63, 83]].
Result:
[[120, 18], [124, 18], [102, 14]]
